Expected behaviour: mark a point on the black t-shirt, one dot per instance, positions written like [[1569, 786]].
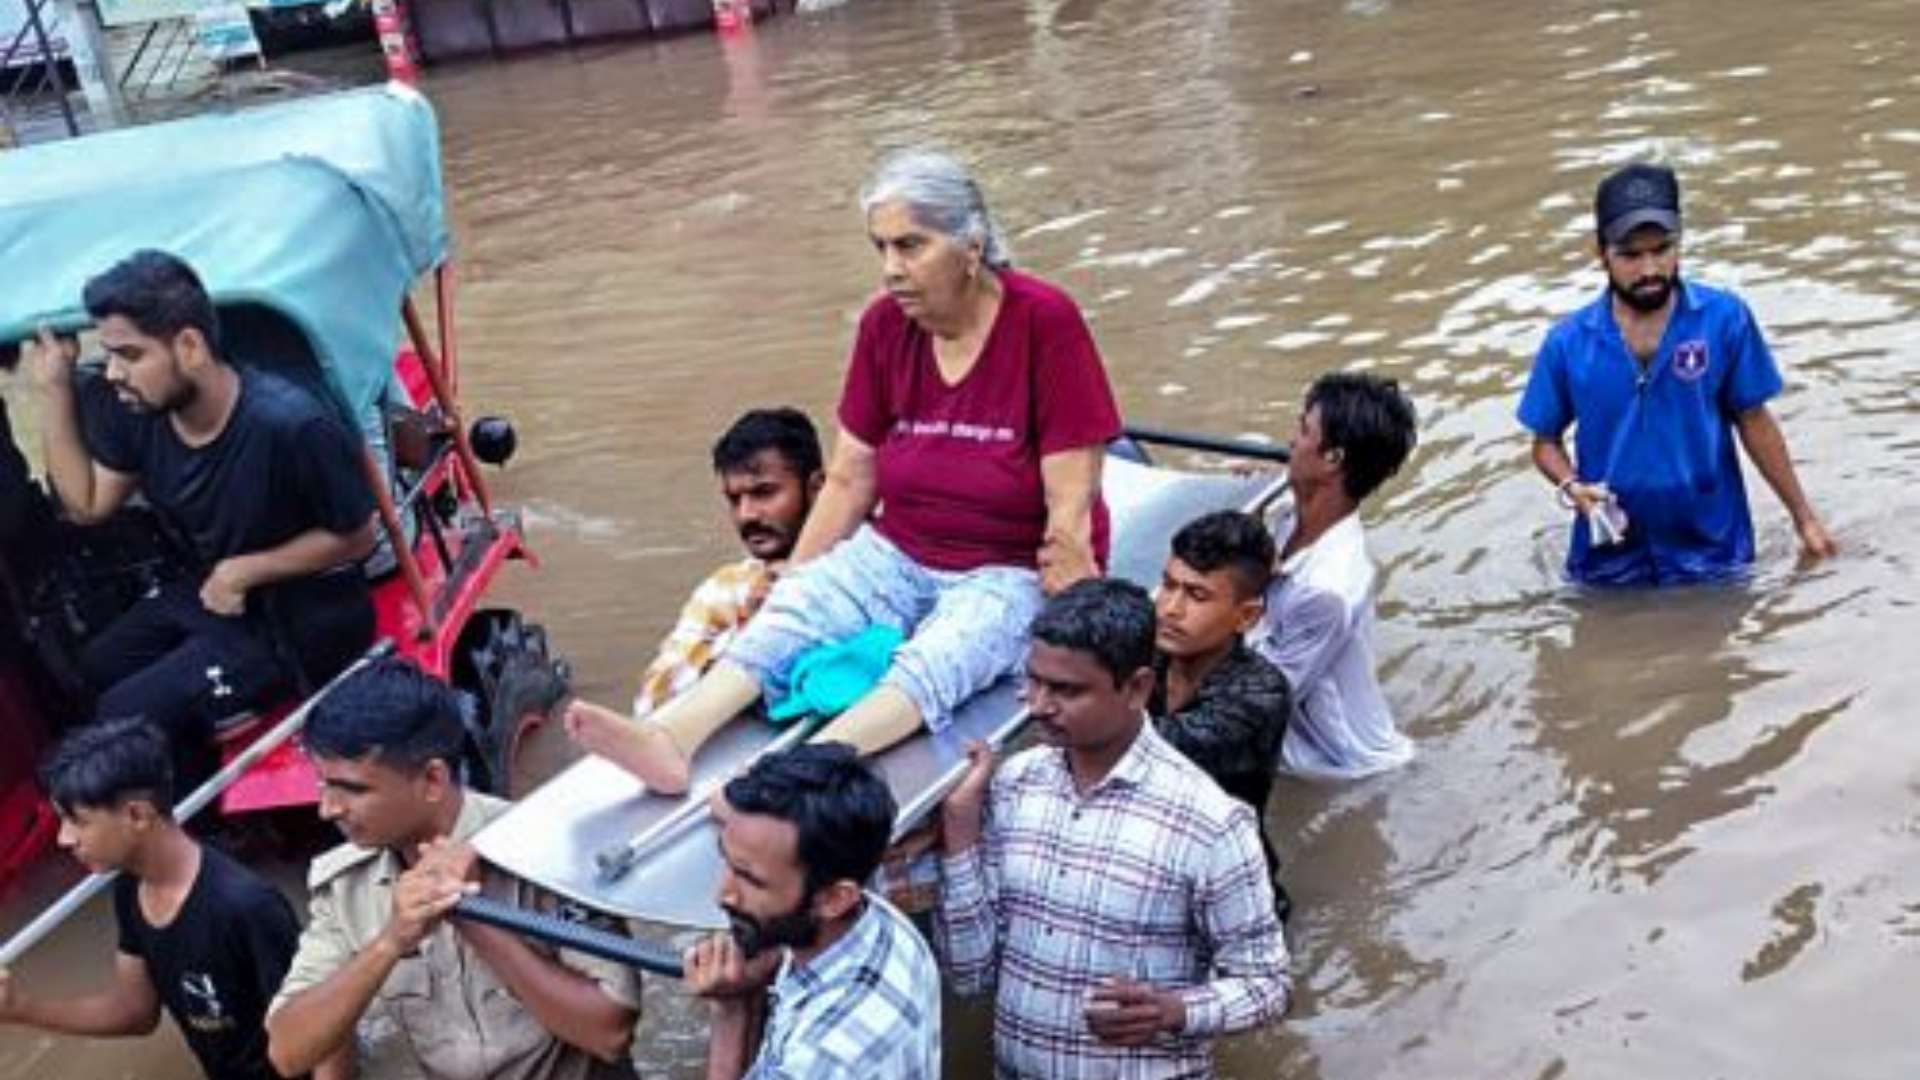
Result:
[[284, 464], [217, 965]]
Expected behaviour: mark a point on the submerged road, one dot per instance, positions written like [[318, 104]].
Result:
[[1660, 836]]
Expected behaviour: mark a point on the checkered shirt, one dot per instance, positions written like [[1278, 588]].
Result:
[[869, 1006], [712, 617], [1155, 874]]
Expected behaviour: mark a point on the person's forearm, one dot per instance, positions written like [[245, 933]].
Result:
[[96, 1015], [69, 465], [308, 553], [1071, 479], [566, 1003], [316, 1023], [844, 502], [731, 1038], [965, 928], [1764, 443], [1227, 1005], [1551, 459]]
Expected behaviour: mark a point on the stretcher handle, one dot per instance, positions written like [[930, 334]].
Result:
[[1243, 448], [579, 937]]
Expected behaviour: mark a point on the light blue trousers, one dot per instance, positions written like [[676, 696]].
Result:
[[965, 629]]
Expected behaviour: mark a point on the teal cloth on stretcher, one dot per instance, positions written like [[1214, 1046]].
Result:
[[827, 679]]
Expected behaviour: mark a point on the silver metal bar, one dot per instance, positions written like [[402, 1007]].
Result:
[[613, 862], [62, 909]]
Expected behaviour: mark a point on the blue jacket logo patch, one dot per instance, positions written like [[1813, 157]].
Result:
[[1690, 359]]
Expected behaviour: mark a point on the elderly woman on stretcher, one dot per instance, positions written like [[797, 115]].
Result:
[[964, 485]]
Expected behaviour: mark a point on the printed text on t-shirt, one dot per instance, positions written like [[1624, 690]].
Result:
[[953, 430]]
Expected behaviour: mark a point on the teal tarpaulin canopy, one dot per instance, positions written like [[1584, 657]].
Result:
[[324, 209]]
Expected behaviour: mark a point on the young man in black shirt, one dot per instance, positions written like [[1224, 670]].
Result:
[[1216, 700], [262, 479], [199, 934]]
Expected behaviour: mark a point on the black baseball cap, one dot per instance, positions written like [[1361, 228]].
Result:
[[1636, 195]]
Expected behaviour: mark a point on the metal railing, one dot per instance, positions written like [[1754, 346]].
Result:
[[30, 72], [165, 48]]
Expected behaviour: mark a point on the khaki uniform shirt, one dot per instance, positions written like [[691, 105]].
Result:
[[441, 1013]]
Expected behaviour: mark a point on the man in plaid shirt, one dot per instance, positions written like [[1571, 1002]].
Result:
[[769, 467], [1115, 894], [855, 992], [768, 463]]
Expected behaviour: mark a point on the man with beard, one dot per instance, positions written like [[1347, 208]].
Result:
[[381, 975], [1111, 893], [769, 467], [857, 993], [259, 478], [1656, 376]]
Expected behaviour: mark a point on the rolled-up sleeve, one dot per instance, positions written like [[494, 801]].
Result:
[[1546, 406], [1234, 909]]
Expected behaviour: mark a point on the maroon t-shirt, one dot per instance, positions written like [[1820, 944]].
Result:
[[959, 466]]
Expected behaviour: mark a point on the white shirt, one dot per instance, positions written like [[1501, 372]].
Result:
[[1318, 630]]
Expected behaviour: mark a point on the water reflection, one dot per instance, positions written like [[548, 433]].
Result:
[[1668, 836]]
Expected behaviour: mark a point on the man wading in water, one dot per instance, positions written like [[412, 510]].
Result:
[[1656, 376]]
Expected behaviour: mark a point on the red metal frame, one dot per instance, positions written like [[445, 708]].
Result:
[[421, 608]]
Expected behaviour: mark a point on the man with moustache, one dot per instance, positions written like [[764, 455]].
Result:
[[1110, 891], [854, 990], [769, 466], [259, 477], [382, 977], [1656, 376]]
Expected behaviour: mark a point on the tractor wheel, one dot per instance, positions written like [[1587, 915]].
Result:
[[513, 685]]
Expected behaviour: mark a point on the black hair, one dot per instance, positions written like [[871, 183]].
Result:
[[158, 293], [1228, 540], [784, 430], [1370, 421], [103, 765], [392, 710], [1108, 618], [842, 812]]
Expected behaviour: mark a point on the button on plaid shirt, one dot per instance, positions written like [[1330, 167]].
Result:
[[869, 1006], [1155, 875]]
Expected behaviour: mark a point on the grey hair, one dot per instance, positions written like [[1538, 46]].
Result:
[[941, 195]]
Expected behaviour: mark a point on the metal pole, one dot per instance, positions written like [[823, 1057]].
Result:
[[90, 62], [571, 935], [52, 65], [614, 862], [60, 910], [1231, 447]]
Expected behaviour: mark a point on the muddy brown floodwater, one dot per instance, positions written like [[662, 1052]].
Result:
[[1670, 835]]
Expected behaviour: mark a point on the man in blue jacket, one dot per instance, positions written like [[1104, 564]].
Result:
[[1656, 376]]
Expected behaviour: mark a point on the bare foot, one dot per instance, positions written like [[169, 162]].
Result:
[[644, 749]]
